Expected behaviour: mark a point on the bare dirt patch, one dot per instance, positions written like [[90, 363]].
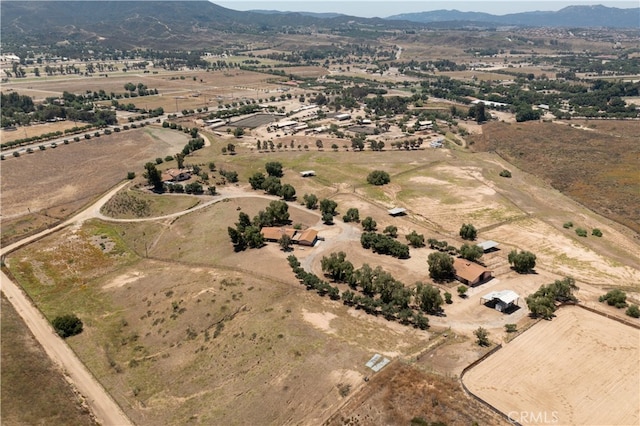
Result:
[[589, 364]]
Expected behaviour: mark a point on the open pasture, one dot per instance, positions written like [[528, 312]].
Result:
[[579, 368], [70, 176]]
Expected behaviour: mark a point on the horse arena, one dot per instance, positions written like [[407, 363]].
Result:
[[579, 368]]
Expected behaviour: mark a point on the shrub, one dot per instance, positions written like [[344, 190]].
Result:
[[131, 175], [633, 311], [16, 154], [415, 239], [567, 225], [511, 328], [67, 325], [482, 336], [462, 290], [615, 297], [505, 173], [447, 298], [596, 232], [581, 232], [159, 160]]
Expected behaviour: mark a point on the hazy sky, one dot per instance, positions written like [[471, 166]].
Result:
[[368, 9]]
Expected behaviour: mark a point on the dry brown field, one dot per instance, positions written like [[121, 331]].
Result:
[[402, 394], [596, 164], [579, 368], [36, 130], [70, 176], [236, 338]]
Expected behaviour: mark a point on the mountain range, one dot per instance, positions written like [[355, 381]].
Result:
[[571, 16], [178, 24]]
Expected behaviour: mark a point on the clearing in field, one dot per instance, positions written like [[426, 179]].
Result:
[[579, 368]]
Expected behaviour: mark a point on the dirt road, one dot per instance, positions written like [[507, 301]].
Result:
[[103, 407]]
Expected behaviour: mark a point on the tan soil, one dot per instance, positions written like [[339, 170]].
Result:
[[579, 367]]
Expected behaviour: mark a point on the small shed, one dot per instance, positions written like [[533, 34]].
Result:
[[307, 173], [501, 300], [397, 211], [488, 246], [342, 117]]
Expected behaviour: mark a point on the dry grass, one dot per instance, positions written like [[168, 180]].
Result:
[[598, 167], [400, 394]]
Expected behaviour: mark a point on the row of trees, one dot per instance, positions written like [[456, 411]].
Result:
[[384, 244]]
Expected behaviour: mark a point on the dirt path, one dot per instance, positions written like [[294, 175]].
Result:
[[104, 408]]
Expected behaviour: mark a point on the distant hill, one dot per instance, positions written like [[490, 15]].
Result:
[[311, 14], [571, 16], [155, 24]]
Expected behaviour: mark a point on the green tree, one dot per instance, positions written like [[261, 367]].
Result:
[[337, 266], [447, 298], [378, 177], [254, 237], [310, 201], [274, 168], [468, 232], [238, 132], [278, 212], [440, 266], [428, 298], [471, 252], [327, 218], [285, 242], [272, 185], [391, 231], [523, 262], [180, 160], [288, 192], [237, 239], [415, 239], [328, 206], [352, 215], [67, 325], [368, 224], [482, 336], [257, 180], [153, 176]]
